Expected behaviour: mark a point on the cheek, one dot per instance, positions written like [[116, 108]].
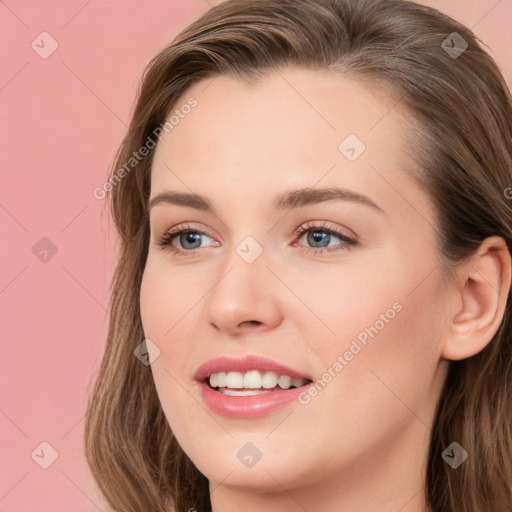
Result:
[[164, 312], [163, 301], [344, 304], [168, 318], [385, 335], [385, 355], [150, 302], [161, 310]]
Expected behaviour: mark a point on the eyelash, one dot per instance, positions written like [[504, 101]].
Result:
[[165, 241]]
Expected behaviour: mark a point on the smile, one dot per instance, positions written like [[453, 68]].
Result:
[[252, 382], [248, 387]]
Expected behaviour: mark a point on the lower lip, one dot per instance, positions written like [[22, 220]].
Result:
[[248, 406]]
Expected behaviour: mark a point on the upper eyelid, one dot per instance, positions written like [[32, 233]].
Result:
[[189, 226], [300, 231]]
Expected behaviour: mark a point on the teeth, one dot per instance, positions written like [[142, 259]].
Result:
[[269, 380], [221, 379], [254, 380], [284, 381], [234, 380], [246, 392], [298, 382]]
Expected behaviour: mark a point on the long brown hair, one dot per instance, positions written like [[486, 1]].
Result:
[[460, 101]]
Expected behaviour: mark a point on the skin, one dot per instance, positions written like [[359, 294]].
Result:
[[361, 443]]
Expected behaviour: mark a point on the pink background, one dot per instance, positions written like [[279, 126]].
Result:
[[63, 118]]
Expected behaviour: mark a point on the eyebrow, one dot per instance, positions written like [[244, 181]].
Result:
[[288, 200]]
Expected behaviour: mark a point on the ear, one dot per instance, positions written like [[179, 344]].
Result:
[[480, 300]]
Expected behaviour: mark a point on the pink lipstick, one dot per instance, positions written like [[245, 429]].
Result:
[[248, 387]]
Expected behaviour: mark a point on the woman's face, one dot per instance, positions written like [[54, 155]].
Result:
[[359, 321]]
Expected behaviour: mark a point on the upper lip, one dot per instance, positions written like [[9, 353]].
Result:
[[243, 365]]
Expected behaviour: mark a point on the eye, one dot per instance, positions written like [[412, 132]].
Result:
[[189, 237], [321, 236]]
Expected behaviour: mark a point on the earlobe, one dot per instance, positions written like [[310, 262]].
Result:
[[482, 300]]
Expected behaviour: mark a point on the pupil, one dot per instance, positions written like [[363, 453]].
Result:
[[191, 238], [318, 236]]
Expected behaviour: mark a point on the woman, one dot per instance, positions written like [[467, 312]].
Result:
[[311, 306]]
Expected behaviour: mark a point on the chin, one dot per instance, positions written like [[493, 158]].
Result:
[[259, 478]]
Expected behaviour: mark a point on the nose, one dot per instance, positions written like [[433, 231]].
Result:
[[245, 297]]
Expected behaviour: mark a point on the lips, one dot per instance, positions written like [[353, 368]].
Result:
[[244, 365], [247, 403]]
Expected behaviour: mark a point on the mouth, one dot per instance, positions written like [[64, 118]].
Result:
[[253, 382], [248, 387]]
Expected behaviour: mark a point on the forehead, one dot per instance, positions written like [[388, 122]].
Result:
[[292, 127]]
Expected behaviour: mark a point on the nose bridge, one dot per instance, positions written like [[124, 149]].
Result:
[[243, 291], [246, 253], [244, 272]]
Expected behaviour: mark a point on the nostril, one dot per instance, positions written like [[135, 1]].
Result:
[[249, 323]]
